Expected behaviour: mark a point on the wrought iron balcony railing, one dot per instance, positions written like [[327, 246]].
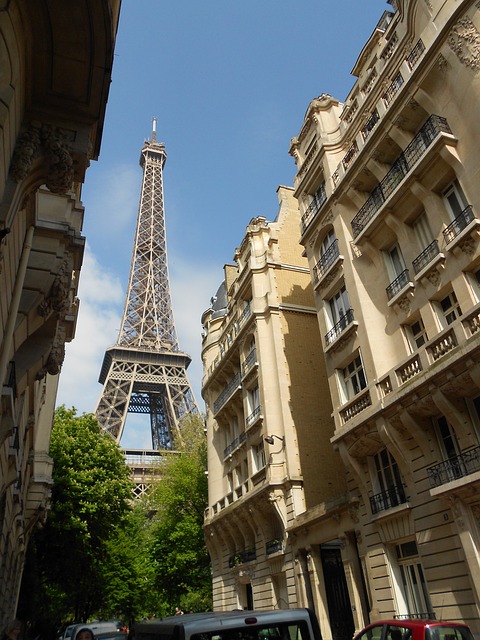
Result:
[[459, 224], [454, 468], [388, 499], [242, 556], [415, 54], [236, 442], [339, 327], [272, 546], [402, 165], [252, 417], [314, 207], [249, 361], [326, 261], [229, 390], [426, 256], [398, 284], [370, 124]]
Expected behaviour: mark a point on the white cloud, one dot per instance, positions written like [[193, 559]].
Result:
[[101, 304]]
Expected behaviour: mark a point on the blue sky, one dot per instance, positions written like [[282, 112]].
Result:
[[229, 83]]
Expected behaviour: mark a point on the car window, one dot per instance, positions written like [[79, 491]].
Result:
[[373, 633], [446, 632], [397, 632]]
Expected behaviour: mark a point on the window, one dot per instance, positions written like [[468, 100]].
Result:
[[454, 199], [338, 306], [387, 483], [450, 309], [416, 334], [328, 240], [395, 262], [258, 457], [422, 231], [473, 278], [354, 379], [412, 591], [447, 439], [253, 399]]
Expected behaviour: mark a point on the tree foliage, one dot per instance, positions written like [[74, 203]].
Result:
[[99, 554], [90, 499], [178, 553]]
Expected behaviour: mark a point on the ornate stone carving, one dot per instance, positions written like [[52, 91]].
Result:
[[30, 144], [464, 41], [58, 298], [433, 276], [56, 356]]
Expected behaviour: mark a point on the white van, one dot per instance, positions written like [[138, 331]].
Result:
[[280, 624], [97, 626]]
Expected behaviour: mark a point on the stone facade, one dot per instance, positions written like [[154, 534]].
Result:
[[55, 74], [388, 185], [268, 416]]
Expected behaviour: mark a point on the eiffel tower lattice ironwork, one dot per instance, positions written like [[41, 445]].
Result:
[[145, 372]]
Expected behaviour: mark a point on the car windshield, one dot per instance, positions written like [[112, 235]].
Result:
[[446, 632], [275, 631]]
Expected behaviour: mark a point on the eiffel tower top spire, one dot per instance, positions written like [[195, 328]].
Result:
[[148, 321]]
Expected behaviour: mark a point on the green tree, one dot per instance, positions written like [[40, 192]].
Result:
[[90, 501], [180, 560]]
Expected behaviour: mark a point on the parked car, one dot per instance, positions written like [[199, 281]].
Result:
[[415, 629], [98, 627], [280, 624]]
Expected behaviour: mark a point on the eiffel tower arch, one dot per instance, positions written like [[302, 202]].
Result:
[[145, 372]]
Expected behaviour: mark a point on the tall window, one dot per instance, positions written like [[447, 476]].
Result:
[[449, 309], [422, 231], [387, 482], [338, 305], [258, 457], [354, 379], [328, 240], [411, 587], [395, 262], [253, 399], [454, 199], [447, 438]]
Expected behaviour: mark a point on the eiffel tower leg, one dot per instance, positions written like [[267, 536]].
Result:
[[114, 401]]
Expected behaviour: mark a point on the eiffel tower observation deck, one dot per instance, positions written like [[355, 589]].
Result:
[[145, 372]]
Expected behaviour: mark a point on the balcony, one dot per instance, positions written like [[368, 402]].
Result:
[[327, 259], [227, 393], [393, 89], [433, 127], [272, 546], [249, 362], [415, 54], [253, 417], [398, 285], [235, 444], [370, 125], [314, 207], [241, 557], [426, 257], [388, 499], [454, 468], [339, 327], [460, 223]]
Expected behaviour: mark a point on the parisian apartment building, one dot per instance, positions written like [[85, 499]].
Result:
[[347, 480], [268, 415], [53, 95]]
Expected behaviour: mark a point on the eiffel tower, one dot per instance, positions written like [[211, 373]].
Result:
[[145, 372]]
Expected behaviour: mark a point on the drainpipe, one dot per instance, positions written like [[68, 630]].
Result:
[[13, 311]]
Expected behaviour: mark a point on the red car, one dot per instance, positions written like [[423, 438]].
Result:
[[412, 629]]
